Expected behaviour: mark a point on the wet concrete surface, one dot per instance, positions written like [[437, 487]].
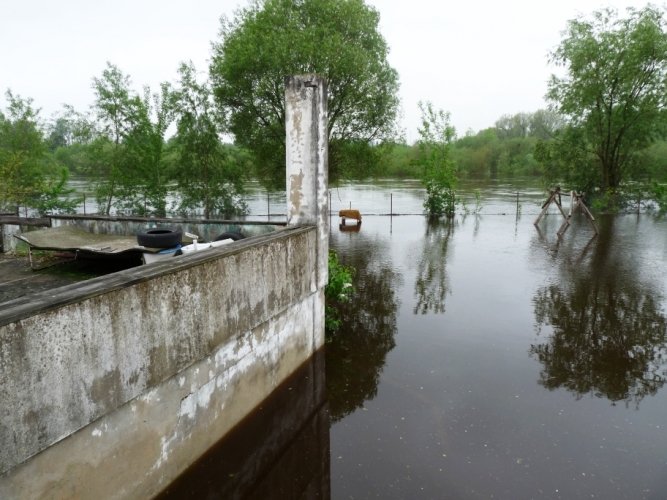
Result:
[[52, 270], [18, 279]]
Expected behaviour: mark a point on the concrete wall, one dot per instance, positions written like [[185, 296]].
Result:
[[138, 373], [110, 388], [281, 450]]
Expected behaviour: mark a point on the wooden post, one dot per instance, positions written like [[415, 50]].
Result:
[[583, 207], [553, 198]]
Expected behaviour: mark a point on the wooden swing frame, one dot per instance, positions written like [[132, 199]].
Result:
[[576, 203]]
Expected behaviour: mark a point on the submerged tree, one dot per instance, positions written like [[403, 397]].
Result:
[[130, 149], [336, 39], [614, 89], [209, 176], [439, 173], [29, 176]]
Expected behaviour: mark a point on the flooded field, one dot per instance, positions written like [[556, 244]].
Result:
[[485, 358]]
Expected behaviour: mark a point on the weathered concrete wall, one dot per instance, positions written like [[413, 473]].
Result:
[[12, 224], [111, 387], [306, 146], [141, 371], [281, 450]]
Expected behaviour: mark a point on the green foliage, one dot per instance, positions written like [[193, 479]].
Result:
[[508, 148], [355, 158], [338, 290], [440, 200], [439, 175], [29, 177], [614, 89], [398, 160], [659, 195], [131, 176], [566, 160], [209, 175], [69, 128], [54, 196], [477, 155], [651, 163], [337, 39]]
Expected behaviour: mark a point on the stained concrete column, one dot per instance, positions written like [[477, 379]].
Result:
[[306, 126]]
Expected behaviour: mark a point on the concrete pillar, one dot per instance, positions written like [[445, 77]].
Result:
[[306, 125]]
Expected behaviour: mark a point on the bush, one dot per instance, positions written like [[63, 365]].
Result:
[[338, 290], [440, 199]]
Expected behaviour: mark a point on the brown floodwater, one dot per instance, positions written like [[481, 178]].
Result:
[[480, 358]]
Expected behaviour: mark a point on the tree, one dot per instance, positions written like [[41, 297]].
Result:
[[614, 88], [439, 175], [29, 177], [70, 137], [209, 175], [131, 146], [144, 152], [271, 39]]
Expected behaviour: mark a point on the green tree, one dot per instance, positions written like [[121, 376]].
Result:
[[209, 175], [477, 154], [614, 87], [69, 136], [113, 105], [144, 145], [131, 145], [271, 39], [439, 174], [29, 176]]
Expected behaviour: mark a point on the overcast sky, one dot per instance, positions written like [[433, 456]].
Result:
[[476, 59]]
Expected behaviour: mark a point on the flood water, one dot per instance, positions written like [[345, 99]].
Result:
[[486, 358], [483, 357]]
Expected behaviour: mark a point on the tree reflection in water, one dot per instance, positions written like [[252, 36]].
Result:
[[356, 354], [609, 333], [432, 283]]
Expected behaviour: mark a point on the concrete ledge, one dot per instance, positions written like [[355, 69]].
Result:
[[25, 307], [76, 353]]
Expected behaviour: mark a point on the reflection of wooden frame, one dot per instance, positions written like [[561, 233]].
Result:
[[350, 214], [350, 229], [577, 203]]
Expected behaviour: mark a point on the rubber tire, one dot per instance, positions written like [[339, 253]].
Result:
[[230, 235], [160, 238]]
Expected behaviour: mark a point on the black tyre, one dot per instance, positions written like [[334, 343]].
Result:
[[230, 234], [160, 238]]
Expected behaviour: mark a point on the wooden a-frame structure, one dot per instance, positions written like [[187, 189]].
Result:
[[576, 203]]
